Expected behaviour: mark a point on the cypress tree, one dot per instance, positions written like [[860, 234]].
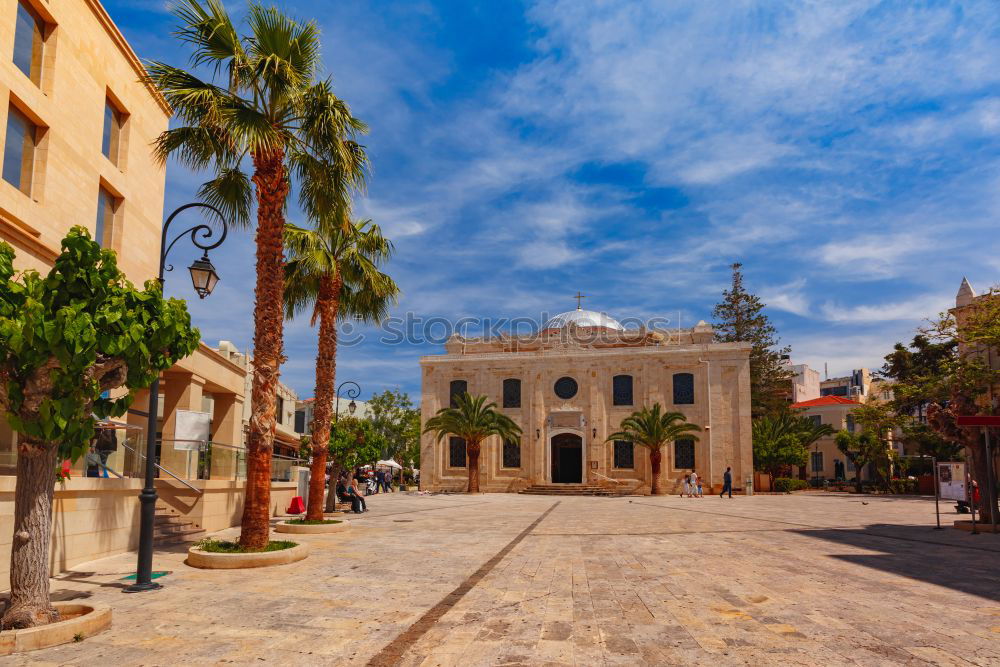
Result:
[[740, 318]]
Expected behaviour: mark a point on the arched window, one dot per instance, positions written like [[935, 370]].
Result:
[[456, 452], [512, 393], [683, 389], [684, 454], [621, 390], [624, 454], [458, 387], [511, 454]]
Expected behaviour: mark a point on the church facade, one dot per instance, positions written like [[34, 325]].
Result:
[[570, 386]]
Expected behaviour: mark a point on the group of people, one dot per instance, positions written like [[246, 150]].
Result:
[[692, 485], [352, 487]]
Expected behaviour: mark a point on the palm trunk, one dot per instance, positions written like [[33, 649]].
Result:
[[271, 186], [655, 458], [473, 450], [327, 304], [331, 496], [29, 603]]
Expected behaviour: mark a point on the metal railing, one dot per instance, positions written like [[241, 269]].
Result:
[[139, 455]]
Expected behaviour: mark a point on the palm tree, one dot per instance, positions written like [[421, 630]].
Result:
[[260, 117], [652, 428], [473, 420], [782, 440], [334, 269]]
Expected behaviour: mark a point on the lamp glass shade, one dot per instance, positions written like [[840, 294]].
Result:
[[351, 407], [203, 276]]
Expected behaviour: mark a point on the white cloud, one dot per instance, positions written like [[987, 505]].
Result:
[[915, 310]]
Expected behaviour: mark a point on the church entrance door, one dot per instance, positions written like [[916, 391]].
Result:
[[567, 458]]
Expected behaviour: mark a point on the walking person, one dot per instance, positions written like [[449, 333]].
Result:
[[694, 484], [387, 480], [727, 482], [379, 481], [687, 487]]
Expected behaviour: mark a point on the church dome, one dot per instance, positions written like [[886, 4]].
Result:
[[584, 318]]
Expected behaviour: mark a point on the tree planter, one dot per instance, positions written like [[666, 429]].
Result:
[[311, 529], [82, 620], [222, 561]]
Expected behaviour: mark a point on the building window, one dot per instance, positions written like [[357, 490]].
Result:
[[457, 388], [684, 454], [816, 420], [817, 461], [683, 389], [621, 390], [300, 421], [19, 150], [512, 393], [511, 454], [624, 454], [29, 38], [456, 452], [107, 212], [111, 139], [566, 388], [279, 409], [850, 423]]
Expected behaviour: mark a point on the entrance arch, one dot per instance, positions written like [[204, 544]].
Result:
[[567, 458]]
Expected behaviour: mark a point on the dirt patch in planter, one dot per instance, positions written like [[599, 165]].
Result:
[[79, 621], [312, 529], [198, 557]]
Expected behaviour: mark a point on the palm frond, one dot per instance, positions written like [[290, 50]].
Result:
[[232, 193]]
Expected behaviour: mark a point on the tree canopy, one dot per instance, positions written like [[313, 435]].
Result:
[[783, 439], [740, 318]]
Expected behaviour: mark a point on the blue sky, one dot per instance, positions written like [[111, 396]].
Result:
[[847, 153]]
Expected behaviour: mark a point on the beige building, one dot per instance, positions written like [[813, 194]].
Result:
[[77, 124], [826, 461], [571, 385]]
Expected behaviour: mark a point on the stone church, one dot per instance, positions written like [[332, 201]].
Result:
[[570, 385]]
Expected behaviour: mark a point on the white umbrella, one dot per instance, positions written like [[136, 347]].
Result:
[[389, 463]]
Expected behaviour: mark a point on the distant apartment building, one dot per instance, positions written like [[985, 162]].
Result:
[[855, 386], [804, 383], [286, 437]]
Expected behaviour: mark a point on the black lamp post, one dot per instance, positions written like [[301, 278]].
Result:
[[204, 279], [352, 392]]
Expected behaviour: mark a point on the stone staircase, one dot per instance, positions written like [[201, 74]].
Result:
[[568, 490], [171, 528]]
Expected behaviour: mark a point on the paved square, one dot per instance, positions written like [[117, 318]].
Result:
[[516, 580]]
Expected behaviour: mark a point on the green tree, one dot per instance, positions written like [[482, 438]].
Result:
[[740, 318], [333, 271], [782, 440], [260, 118], [473, 420], [861, 449], [652, 428], [393, 414], [967, 382], [65, 339]]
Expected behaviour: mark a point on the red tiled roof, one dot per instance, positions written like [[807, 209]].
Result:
[[824, 400]]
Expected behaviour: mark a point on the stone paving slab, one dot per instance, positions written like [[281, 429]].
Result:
[[501, 579]]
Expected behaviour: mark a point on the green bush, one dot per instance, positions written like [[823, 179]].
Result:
[[903, 486], [789, 484], [217, 546]]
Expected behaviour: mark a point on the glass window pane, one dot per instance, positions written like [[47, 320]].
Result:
[[621, 390], [684, 454], [28, 42], [112, 132], [624, 454], [683, 389], [511, 454], [457, 388], [19, 150], [512, 393], [456, 452]]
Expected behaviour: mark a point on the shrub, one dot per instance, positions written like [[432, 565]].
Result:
[[903, 486], [216, 546], [789, 484]]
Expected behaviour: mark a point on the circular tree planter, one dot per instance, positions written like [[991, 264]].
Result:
[[312, 528], [80, 621], [222, 561]]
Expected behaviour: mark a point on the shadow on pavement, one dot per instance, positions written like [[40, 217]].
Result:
[[948, 558]]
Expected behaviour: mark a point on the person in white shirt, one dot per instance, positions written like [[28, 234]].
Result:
[[694, 484]]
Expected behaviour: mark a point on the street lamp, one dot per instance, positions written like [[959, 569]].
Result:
[[204, 279], [352, 392]]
